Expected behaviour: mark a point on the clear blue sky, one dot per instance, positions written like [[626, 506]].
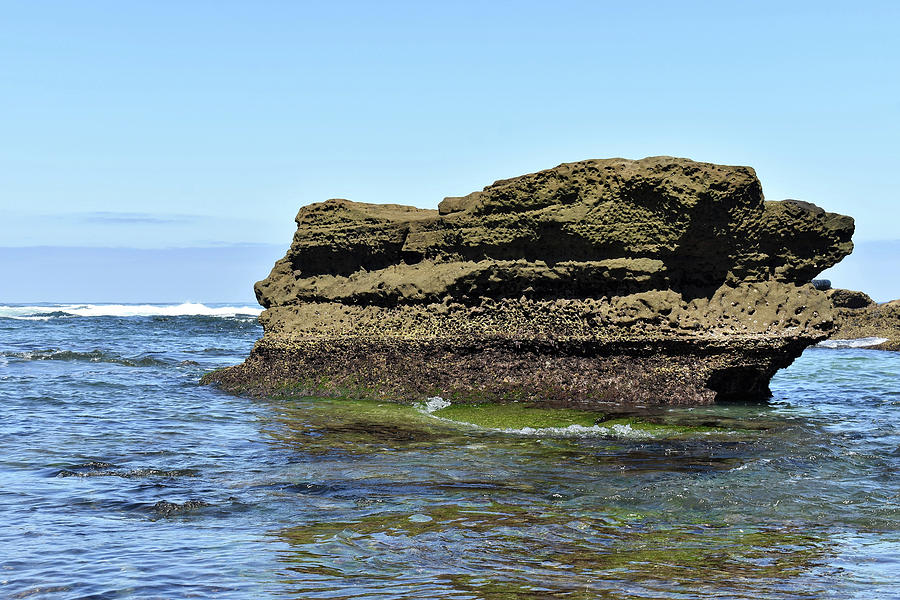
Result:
[[207, 124]]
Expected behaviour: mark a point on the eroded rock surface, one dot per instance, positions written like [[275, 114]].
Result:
[[858, 316], [849, 299], [656, 281]]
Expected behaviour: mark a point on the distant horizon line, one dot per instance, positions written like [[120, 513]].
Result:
[[185, 247], [244, 303]]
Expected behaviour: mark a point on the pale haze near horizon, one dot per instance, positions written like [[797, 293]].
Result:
[[158, 151]]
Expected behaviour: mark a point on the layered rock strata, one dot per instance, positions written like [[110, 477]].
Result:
[[600, 282]]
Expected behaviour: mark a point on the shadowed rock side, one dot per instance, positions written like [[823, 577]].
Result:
[[656, 281]]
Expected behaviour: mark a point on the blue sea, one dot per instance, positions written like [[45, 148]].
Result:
[[122, 477]]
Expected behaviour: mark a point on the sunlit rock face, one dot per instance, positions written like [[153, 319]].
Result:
[[861, 323], [600, 282]]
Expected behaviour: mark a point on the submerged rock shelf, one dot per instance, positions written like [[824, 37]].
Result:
[[660, 281]]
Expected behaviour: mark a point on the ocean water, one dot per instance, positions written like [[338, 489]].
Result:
[[121, 477]]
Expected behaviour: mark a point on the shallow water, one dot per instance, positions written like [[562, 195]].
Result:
[[120, 477]]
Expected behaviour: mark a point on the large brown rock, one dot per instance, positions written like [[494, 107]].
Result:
[[656, 281]]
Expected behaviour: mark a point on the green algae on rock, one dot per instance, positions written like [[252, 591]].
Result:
[[600, 283], [515, 417]]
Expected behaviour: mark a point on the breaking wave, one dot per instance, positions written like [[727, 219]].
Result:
[[857, 343], [47, 312]]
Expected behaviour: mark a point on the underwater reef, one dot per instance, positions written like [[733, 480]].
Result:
[[613, 282]]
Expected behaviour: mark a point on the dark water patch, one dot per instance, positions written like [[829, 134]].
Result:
[[102, 509], [301, 488], [57, 314], [39, 591], [350, 490], [673, 458], [88, 467], [312, 489], [374, 433], [205, 324], [85, 471], [476, 486], [164, 508], [93, 356]]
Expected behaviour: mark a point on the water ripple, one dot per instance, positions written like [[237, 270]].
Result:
[[121, 477]]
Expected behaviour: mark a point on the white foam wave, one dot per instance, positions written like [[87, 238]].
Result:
[[857, 343], [618, 430], [436, 403], [751, 464], [34, 313]]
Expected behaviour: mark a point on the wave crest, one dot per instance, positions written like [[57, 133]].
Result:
[[187, 309], [857, 343]]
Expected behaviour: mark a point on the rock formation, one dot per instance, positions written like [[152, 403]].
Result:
[[622, 282], [849, 298], [857, 316]]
